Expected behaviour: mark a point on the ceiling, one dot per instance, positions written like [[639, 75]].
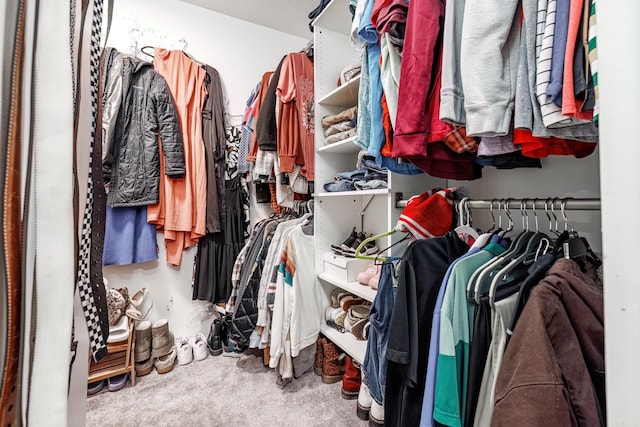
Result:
[[289, 16]]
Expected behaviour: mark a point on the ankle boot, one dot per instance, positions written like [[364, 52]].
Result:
[[376, 415], [364, 402], [162, 339], [351, 380], [214, 341], [225, 326], [317, 368], [333, 363], [143, 341]]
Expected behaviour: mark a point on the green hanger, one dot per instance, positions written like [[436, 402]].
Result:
[[371, 239]]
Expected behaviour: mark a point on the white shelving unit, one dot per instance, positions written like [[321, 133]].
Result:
[[346, 146], [335, 214], [345, 95], [346, 341], [355, 288]]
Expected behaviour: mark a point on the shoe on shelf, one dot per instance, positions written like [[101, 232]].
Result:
[[199, 345], [135, 309], [371, 248], [333, 363], [365, 276], [95, 387], [185, 351], [376, 415], [144, 368], [317, 367], [364, 402], [346, 245], [162, 339], [117, 382], [214, 341], [164, 364], [351, 380], [143, 341], [375, 280]]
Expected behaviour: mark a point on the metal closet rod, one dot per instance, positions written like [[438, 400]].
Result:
[[515, 204]]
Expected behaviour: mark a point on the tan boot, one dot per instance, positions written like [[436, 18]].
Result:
[[162, 339], [143, 341]]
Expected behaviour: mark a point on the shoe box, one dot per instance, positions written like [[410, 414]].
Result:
[[343, 268]]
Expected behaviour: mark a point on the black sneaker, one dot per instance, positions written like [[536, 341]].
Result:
[[346, 245], [214, 341], [369, 249]]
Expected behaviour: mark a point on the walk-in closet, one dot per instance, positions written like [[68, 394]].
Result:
[[318, 212]]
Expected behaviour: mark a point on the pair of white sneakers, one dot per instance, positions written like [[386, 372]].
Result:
[[190, 348]]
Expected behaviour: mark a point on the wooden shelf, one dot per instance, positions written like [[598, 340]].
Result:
[[357, 193], [346, 146], [346, 341], [119, 360], [345, 96], [355, 288]]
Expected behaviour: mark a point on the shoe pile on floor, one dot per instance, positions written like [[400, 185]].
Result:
[[350, 244], [333, 365]]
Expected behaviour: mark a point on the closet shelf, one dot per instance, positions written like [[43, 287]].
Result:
[[345, 96], [335, 18], [346, 146], [346, 341], [357, 193], [355, 288]]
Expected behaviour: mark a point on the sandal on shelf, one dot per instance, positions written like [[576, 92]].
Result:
[[134, 309]]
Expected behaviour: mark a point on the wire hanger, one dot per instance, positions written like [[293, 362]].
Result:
[[146, 49]]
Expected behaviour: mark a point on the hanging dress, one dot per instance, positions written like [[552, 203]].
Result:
[[217, 252], [181, 212]]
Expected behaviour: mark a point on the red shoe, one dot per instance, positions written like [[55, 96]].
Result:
[[351, 380]]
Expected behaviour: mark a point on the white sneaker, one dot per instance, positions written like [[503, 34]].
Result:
[[200, 349], [185, 352]]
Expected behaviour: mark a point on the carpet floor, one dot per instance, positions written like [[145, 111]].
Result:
[[223, 391]]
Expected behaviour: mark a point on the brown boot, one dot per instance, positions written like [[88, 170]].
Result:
[[317, 368], [351, 380], [333, 363]]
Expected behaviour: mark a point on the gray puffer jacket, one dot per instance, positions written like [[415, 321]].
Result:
[[146, 111]]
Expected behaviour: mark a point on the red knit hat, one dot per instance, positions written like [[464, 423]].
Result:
[[428, 215]]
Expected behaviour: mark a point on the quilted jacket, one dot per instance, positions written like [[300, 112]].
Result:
[[245, 316], [147, 111]]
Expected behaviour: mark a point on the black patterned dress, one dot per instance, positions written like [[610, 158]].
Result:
[[217, 252]]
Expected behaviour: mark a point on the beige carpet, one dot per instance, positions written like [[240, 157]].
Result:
[[220, 391]]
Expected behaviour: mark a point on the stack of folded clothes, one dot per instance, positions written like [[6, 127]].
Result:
[[348, 313], [338, 127], [367, 176]]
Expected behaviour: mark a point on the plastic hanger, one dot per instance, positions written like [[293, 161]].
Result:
[[464, 218], [576, 247], [490, 271], [485, 238], [371, 239]]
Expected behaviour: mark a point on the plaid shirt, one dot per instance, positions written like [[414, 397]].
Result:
[[459, 142]]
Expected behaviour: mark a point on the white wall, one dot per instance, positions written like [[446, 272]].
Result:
[[241, 52], [618, 32]]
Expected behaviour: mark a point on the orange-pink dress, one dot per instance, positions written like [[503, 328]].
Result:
[[181, 212]]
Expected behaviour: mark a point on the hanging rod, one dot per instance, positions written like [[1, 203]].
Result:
[[515, 204]]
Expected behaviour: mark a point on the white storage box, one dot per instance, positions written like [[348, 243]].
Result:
[[343, 268]]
